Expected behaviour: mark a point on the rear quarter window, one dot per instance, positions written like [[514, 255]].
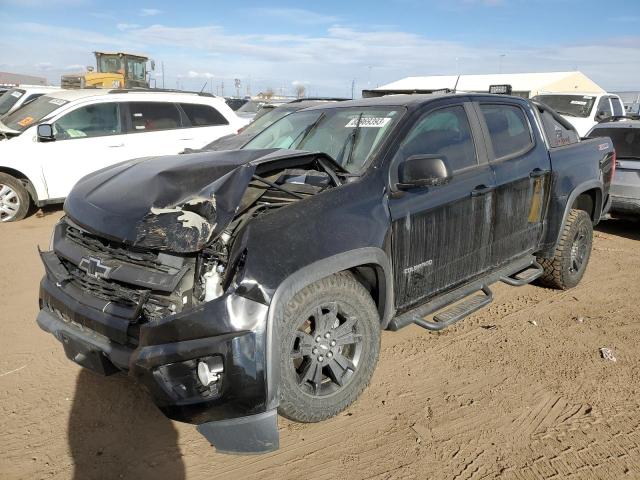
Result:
[[557, 135], [203, 115]]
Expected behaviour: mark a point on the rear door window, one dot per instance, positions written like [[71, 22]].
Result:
[[203, 115], [154, 116], [509, 130]]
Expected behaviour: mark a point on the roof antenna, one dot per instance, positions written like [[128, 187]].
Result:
[[456, 85], [203, 86]]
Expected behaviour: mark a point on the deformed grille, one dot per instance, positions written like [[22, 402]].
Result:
[[100, 246], [152, 305]]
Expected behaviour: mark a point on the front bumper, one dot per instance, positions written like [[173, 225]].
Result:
[[162, 357]]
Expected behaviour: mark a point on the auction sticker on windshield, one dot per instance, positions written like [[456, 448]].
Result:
[[57, 101], [16, 94], [25, 121], [368, 122]]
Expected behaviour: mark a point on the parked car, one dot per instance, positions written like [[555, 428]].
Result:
[[268, 115], [250, 109], [583, 110], [235, 103], [625, 189], [22, 95], [237, 284], [57, 139]]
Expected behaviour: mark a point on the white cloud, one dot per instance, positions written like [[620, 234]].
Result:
[[294, 15], [149, 12], [194, 74], [127, 26]]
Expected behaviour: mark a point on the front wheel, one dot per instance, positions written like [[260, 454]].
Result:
[[566, 268], [14, 199], [330, 337]]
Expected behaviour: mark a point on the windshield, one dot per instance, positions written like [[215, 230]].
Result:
[[9, 99], [252, 106], [348, 135], [110, 64], [626, 141], [265, 120], [32, 113], [571, 105]]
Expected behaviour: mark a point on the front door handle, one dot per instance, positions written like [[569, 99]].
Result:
[[538, 172], [481, 190], [186, 139], [117, 145]]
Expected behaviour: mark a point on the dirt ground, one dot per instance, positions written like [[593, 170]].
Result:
[[517, 391]]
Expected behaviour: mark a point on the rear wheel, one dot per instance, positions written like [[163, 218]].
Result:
[[330, 338], [14, 199], [566, 268]]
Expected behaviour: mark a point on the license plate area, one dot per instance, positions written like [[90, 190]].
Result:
[[86, 355]]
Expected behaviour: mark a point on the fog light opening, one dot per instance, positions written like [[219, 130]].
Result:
[[209, 370]]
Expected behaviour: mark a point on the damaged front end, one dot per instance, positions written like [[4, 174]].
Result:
[[144, 278]]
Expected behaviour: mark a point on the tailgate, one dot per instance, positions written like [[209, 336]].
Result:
[[626, 182]]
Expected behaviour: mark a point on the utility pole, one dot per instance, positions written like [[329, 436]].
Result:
[[222, 89], [353, 88], [162, 64]]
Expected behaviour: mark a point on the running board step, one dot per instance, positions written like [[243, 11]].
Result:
[[457, 312], [525, 276], [440, 302]]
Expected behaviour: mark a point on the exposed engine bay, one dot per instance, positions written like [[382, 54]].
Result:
[[183, 255]]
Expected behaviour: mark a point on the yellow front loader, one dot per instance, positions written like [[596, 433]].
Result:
[[113, 70]]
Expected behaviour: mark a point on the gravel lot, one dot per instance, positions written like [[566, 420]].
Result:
[[517, 391]]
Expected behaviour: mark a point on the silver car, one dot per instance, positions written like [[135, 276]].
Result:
[[625, 189]]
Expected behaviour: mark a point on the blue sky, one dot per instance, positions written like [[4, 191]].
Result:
[[325, 45]]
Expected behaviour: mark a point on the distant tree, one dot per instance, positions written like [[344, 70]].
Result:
[[301, 90]]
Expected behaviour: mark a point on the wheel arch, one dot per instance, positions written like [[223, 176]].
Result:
[[371, 267], [25, 179]]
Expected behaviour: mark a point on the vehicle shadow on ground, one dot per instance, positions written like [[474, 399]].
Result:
[[116, 432], [621, 227], [45, 211]]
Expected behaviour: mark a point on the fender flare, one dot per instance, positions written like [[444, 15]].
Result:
[[575, 193], [306, 276]]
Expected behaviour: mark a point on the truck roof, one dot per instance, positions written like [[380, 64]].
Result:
[[409, 100]]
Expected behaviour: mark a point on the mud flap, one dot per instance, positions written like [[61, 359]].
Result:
[[254, 434]]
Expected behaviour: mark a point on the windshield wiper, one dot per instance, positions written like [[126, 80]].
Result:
[[350, 141], [303, 134]]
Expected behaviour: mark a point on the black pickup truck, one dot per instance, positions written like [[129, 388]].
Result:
[[236, 285]]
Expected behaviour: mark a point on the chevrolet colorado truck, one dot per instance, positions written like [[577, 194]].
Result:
[[237, 285]]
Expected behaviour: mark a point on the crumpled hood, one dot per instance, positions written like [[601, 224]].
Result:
[[176, 203]]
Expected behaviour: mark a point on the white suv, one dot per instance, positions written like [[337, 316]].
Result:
[[584, 110], [52, 142], [16, 97]]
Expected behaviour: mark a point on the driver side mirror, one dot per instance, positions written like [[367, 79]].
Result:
[[423, 171], [45, 133]]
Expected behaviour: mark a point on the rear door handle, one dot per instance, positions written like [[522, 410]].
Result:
[[117, 145], [186, 139], [538, 172], [481, 190]]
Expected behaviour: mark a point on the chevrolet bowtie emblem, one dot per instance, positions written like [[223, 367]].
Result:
[[94, 267]]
